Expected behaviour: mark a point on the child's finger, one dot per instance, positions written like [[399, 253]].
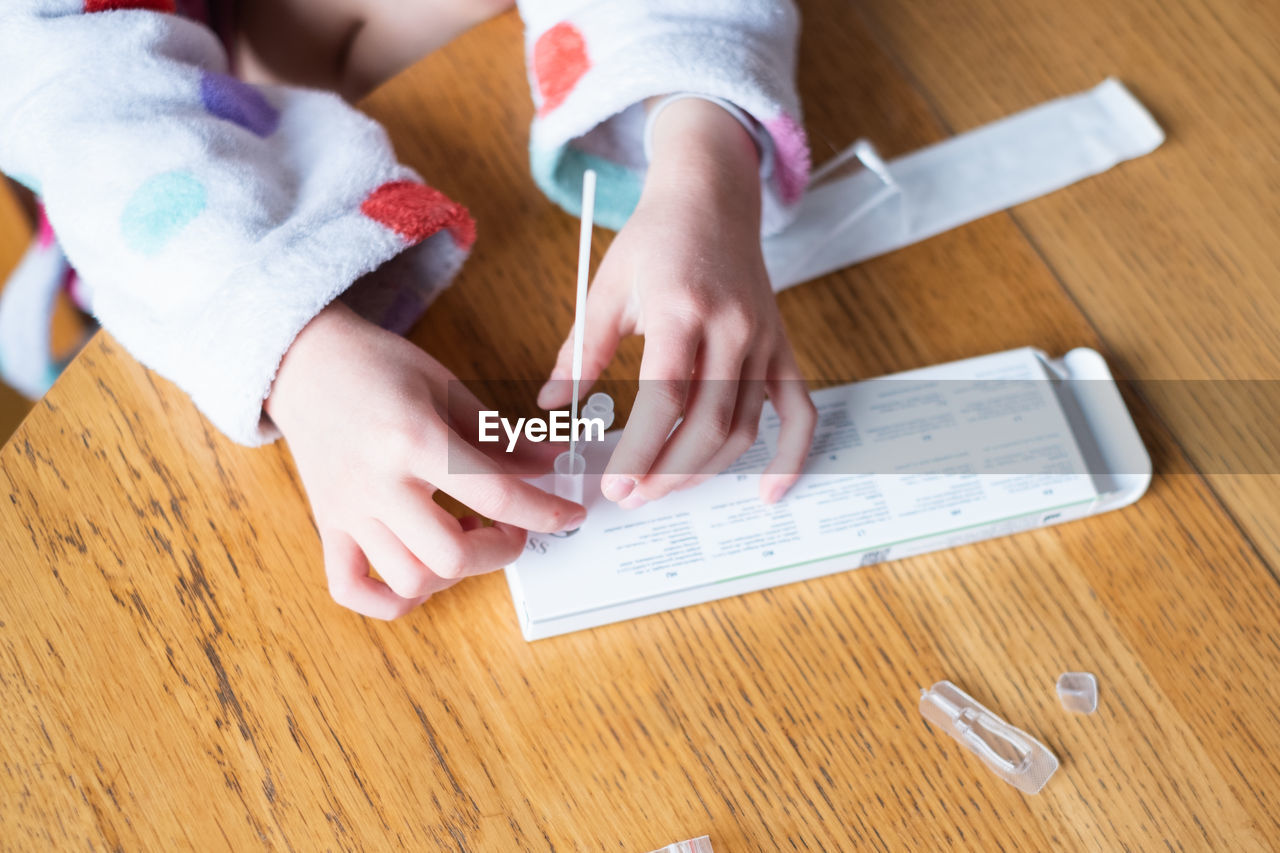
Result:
[[480, 483], [402, 570], [797, 417], [669, 353], [708, 423], [746, 422], [349, 582], [452, 548], [603, 334], [494, 547], [526, 459]]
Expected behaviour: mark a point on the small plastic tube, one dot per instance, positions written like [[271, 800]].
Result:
[[1078, 692], [1014, 756], [569, 470]]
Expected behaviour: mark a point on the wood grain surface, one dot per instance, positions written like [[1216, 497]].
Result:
[[174, 675]]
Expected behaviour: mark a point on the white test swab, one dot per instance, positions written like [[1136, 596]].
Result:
[[580, 309]]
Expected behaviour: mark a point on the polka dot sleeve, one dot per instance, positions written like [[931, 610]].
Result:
[[592, 64], [210, 220]]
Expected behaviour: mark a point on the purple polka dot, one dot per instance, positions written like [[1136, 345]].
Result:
[[230, 99], [791, 156]]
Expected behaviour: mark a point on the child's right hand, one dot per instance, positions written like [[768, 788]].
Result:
[[370, 421]]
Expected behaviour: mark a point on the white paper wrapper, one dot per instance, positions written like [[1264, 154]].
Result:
[[886, 206]]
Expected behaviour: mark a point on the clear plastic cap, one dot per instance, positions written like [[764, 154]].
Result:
[[1012, 754], [1078, 692], [599, 406]]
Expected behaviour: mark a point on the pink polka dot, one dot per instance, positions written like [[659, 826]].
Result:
[[559, 61], [45, 236], [791, 156]]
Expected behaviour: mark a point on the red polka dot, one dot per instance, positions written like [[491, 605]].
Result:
[[169, 6], [559, 61], [416, 211]]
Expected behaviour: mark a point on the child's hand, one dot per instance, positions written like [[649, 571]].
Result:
[[687, 272], [375, 429]]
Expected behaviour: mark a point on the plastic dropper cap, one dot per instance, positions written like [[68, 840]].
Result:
[[599, 406]]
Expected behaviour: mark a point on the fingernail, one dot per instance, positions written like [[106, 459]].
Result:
[[633, 502], [544, 393], [575, 521], [774, 494], [618, 488]]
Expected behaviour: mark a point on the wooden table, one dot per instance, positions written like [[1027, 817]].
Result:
[[174, 675]]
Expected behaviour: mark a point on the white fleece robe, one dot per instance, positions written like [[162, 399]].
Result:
[[210, 220]]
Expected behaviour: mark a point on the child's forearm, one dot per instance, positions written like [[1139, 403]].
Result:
[[210, 219]]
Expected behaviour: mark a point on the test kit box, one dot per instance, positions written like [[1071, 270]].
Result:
[[900, 465]]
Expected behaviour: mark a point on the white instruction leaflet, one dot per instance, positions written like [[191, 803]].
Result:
[[900, 465]]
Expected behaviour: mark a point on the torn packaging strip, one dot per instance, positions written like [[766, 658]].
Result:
[[844, 220], [1012, 754], [701, 844]]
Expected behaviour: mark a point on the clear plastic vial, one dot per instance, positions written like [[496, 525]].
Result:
[[1014, 756], [571, 466], [569, 470]]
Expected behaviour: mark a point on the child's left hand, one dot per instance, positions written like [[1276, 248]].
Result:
[[687, 272]]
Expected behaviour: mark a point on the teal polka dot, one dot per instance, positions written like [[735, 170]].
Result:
[[51, 373], [28, 182], [160, 209], [558, 173]]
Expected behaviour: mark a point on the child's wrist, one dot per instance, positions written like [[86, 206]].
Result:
[[702, 152], [301, 361]]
